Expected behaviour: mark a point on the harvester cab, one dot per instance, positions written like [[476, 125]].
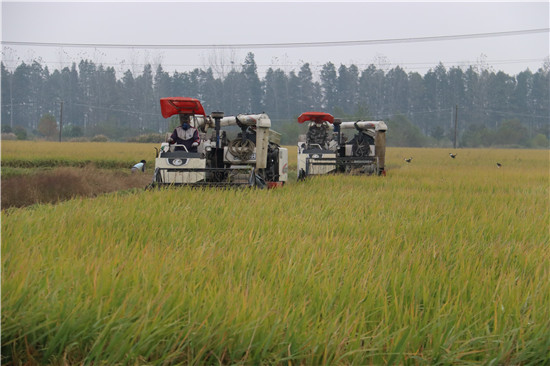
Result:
[[253, 158], [317, 148], [325, 148]]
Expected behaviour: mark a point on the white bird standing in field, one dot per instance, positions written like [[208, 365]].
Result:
[[409, 159], [499, 165], [452, 155]]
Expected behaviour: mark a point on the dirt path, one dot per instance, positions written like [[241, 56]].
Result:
[[65, 183]]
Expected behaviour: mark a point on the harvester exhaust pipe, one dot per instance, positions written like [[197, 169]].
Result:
[[337, 122], [217, 118]]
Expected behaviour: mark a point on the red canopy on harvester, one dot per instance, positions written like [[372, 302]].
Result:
[[316, 117], [177, 105]]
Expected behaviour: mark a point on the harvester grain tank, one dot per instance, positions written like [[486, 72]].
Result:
[[325, 148], [253, 158]]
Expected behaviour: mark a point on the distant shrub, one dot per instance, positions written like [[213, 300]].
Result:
[[540, 141], [9, 136], [99, 138], [147, 138], [20, 132], [72, 131]]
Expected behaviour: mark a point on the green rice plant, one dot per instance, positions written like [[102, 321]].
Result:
[[443, 261]]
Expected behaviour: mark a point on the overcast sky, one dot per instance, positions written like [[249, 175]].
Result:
[[223, 23]]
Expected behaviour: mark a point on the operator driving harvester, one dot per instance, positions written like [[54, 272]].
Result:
[[325, 149], [253, 158]]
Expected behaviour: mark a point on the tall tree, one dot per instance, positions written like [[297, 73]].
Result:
[[275, 94], [88, 89], [416, 95], [397, 91], [371, 89], [329, 85], [254, 86], [72, 113], [7, 96], [211, 90], [235, 93], [162, 83], [306, 89], [502, 87], [293, 92], [539, 100], [348, 83], [145, 96]]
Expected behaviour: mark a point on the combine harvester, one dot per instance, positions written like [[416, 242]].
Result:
[[254, 158], [324, 148]]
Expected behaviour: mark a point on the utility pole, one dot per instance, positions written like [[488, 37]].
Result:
[[11, 103], [60, 121], [456, 123]]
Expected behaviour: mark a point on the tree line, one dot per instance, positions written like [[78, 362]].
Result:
[[490, 107]]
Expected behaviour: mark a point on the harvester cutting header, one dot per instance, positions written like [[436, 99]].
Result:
[[253, 158], [325, 149]]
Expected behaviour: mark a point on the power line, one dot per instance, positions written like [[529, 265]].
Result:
[[283, 45]]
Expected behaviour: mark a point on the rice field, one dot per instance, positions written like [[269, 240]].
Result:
[[32, 150], [443, 261]]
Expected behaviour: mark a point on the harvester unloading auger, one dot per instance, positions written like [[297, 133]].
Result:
[[253, 158], [325, 149]]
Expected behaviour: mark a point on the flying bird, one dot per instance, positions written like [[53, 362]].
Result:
[[499, 165], [409, 159], [452, 155]]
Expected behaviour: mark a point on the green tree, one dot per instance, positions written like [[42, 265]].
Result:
[[397, 87], [72, 131], [47, 127], [293, 92], [348, 84], [477, 135], [254, 86], [162, 83], [416, 97], [211, 90], [404, 133], [329, 86], [540, 141], [502, 87], [235, 94], [275, 94], [6, 97], [306, 89], [539, 102], [512, 132], [20, 132], [371, 89]]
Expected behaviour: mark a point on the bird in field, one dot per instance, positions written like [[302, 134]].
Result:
[[499, 165], [452, 155], [409, 159]]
